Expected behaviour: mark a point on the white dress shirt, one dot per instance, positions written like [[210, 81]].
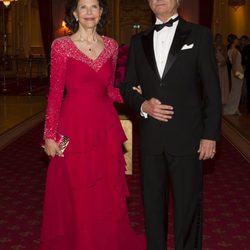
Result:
[[162, 42]]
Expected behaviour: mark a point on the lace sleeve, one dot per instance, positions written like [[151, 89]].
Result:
[[57, 78], [114, 93]]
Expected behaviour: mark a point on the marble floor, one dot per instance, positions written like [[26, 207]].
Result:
[[17, 109]]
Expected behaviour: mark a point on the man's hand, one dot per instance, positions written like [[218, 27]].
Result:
[[154, 108], [207, 149]]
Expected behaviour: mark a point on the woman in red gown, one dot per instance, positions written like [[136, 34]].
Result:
[[85, 201]]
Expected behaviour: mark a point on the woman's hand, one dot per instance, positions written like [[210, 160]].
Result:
[[52, 149], [138, 89]]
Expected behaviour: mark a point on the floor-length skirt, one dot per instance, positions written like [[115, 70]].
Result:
[[86, 190], [232, 105]]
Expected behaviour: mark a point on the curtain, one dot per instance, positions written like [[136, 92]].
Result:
[[206, 12], [46, 21]]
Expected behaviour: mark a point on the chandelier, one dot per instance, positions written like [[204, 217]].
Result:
[[7, 2], [236, 3]]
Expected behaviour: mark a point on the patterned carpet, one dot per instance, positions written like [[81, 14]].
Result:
[[22, 178]]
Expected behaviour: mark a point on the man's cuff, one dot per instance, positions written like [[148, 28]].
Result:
[[143, 114]]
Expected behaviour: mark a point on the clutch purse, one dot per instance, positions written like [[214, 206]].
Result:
[[62, 141]]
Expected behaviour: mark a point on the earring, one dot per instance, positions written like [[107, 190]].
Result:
[[76, 19]]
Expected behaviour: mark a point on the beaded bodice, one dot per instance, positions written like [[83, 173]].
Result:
[[75, 72]]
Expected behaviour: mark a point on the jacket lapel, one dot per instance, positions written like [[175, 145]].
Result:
[[147, 41], [180, 37]]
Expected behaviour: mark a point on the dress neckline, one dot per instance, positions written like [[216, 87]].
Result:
[[85, 55]]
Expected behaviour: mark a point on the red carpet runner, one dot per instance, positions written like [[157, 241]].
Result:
[[22, 178]]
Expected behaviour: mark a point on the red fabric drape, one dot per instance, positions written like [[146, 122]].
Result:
[[46, 20], [206, 12]]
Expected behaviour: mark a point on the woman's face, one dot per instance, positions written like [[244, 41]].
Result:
[[88, 13]]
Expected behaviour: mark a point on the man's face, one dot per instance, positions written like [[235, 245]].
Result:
[[163, 8]]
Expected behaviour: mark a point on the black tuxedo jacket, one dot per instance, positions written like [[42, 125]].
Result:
[[190, 84]]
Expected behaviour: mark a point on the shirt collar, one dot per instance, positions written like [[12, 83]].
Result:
[[158, 21]]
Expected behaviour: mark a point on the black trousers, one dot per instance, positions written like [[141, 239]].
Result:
[[184, 174]]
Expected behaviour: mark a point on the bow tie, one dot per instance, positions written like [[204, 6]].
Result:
[[169, 23]]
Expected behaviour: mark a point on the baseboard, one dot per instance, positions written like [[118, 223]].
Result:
[[12, 134], [241, 143]]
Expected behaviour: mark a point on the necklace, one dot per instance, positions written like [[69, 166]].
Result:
[[90, 45]]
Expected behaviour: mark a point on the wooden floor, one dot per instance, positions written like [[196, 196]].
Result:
[[17, 110]]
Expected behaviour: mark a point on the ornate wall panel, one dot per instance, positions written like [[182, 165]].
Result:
[[228, 20], [126, 18], [134, 16], [23, 28]]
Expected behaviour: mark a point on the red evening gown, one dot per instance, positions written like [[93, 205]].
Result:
[[85, 200]]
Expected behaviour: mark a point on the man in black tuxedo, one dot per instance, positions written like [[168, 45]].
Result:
[[180, 109]]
